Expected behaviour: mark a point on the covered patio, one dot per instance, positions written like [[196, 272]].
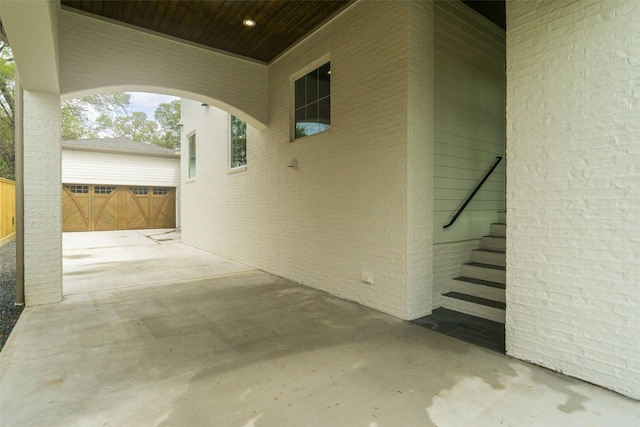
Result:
[[240, 347]]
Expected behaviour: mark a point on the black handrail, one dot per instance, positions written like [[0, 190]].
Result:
[[498, 158]]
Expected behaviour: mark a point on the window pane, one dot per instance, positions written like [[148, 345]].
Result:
[[300, 116], [300, 93], [312, 113], [312, 86], [312, 102], [192, 156], [324, 115], [238, 142], [324, 88]]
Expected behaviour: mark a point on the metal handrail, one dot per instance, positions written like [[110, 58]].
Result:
[[475, 190]]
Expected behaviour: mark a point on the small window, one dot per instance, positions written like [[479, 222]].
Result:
[[78, 189], [312, 100], [139, 191], [192, 155], [160, 191], [238, 142], [102, 189]]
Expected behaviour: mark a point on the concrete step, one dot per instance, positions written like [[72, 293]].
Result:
[[489, 272], [498, 229], [489, 256], [502, 217], [493, 242], [475, 306], [479, 288]]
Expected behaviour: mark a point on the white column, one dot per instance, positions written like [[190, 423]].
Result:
[[420, 161], [42, 198]]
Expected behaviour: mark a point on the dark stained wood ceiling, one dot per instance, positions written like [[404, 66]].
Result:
[[493, 10], [218, 23]]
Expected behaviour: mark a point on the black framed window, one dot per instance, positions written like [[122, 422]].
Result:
[[312, 100]]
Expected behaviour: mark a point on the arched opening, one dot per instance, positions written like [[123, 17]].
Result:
[[119, 196]]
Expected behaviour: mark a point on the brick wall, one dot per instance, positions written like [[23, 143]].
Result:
[[42, 199], [573, 196], [98, 56], [342, 211], [420, 160]]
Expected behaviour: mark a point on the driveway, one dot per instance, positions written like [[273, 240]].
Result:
[[103, 260], [192, 339]]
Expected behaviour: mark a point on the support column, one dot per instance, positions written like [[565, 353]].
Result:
[[42, 198], [19, 143], [420, 161]]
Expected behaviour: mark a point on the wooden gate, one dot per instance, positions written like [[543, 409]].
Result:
[[7, 210], [109, 207]]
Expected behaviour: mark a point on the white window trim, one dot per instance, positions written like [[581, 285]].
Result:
[[237, 169], [292, 97]]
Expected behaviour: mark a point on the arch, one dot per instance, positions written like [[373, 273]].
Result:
[[169, 91], [97, 56]]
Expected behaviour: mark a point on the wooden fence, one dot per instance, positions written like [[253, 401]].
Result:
[[7, 211]]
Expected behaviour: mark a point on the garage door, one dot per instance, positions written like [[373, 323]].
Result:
[[110, 207]]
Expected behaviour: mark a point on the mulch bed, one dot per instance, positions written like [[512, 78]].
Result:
[[9, 313]]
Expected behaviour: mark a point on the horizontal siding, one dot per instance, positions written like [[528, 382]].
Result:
[[469, 121], [85, 167]]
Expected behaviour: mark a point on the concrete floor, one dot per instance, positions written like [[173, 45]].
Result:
[[245, 348]]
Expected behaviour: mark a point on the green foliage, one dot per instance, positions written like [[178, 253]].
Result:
[[238, 142], [300, 131], [7, 111], [168, 116], [76, 121], [114, 120]]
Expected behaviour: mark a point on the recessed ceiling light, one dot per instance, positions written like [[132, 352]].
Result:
[[249, 23]]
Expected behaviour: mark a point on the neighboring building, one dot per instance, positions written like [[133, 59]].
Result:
[[358, 209], [118, 184]]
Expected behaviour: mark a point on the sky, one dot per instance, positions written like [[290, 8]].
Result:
[[148, 102]]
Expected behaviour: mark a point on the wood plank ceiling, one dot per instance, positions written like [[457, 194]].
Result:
[[219, 23]]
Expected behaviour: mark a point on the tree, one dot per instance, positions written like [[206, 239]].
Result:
[[135, 126], [7, 112], [116, 121], [168, 117], [76, 113]]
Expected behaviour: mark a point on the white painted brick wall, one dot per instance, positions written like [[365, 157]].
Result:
[[343, 210], [98, 56], [420, 160], [573, 197], [42, 199], [447, 263]]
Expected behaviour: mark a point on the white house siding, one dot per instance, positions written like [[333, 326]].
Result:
[[342, 211], [90, 167], [469, 127], [573, 188]]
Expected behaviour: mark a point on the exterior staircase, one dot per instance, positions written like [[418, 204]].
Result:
[[480, 289]]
